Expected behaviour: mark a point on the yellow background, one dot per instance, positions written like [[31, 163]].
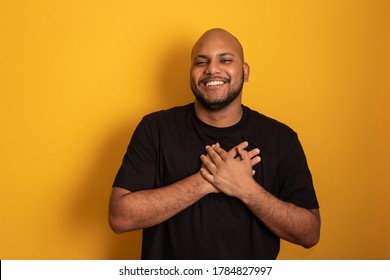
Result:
[[77, 76]]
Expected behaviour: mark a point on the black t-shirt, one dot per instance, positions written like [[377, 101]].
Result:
[[166, 147]]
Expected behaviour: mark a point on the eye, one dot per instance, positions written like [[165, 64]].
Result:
[[226, 60], [200, 63]]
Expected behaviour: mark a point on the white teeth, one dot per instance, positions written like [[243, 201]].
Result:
[[214, 83]]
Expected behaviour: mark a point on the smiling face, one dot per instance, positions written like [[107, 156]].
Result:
[[218, 70]]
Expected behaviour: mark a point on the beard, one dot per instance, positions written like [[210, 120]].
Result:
[[216, 105]]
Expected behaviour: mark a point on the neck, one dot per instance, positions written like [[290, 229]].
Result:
[[225, 117]]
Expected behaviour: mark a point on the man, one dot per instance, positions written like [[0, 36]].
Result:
[[193, 179]]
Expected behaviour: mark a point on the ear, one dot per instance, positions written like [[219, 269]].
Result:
[[246, 69]]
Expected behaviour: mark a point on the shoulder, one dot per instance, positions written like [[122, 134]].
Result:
[[168, 114], [167, 120], [271, 125], [163, 123]]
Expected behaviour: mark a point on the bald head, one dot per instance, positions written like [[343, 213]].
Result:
[[218, 71], [218, 36]]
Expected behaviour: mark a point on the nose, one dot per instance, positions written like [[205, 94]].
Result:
[[212, 68]]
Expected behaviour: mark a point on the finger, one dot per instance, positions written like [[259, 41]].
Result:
[[207, 175], [233, 152], [221, 152], [254, 156], [208, 163], [254, 152], [244, 155], [243, 145], [255, 160], [212, 153]]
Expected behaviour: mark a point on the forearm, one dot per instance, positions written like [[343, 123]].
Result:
[[146, 208], [288, 221], [234, 177]]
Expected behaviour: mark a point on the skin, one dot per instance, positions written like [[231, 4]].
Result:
[[218, 56], [234, 177], [217, 73], [136, 210]]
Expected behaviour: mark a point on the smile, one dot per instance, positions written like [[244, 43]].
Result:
[[214, 83]]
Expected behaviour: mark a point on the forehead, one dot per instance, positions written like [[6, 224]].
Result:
[[216, 44]]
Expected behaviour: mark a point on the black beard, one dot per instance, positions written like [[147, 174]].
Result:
[[221, 103]]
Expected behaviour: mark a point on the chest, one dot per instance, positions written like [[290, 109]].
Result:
[[179, 154]]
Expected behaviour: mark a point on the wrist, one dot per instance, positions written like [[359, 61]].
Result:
[[250, 190], [203, 185]]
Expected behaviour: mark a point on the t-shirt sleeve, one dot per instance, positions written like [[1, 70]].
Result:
[[295, 178], [138, 168]]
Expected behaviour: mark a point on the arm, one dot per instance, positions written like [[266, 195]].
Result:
[[288, 221], [135, 210], [233, 177]]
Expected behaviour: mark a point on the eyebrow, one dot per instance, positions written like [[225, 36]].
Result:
[[219, 55]]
